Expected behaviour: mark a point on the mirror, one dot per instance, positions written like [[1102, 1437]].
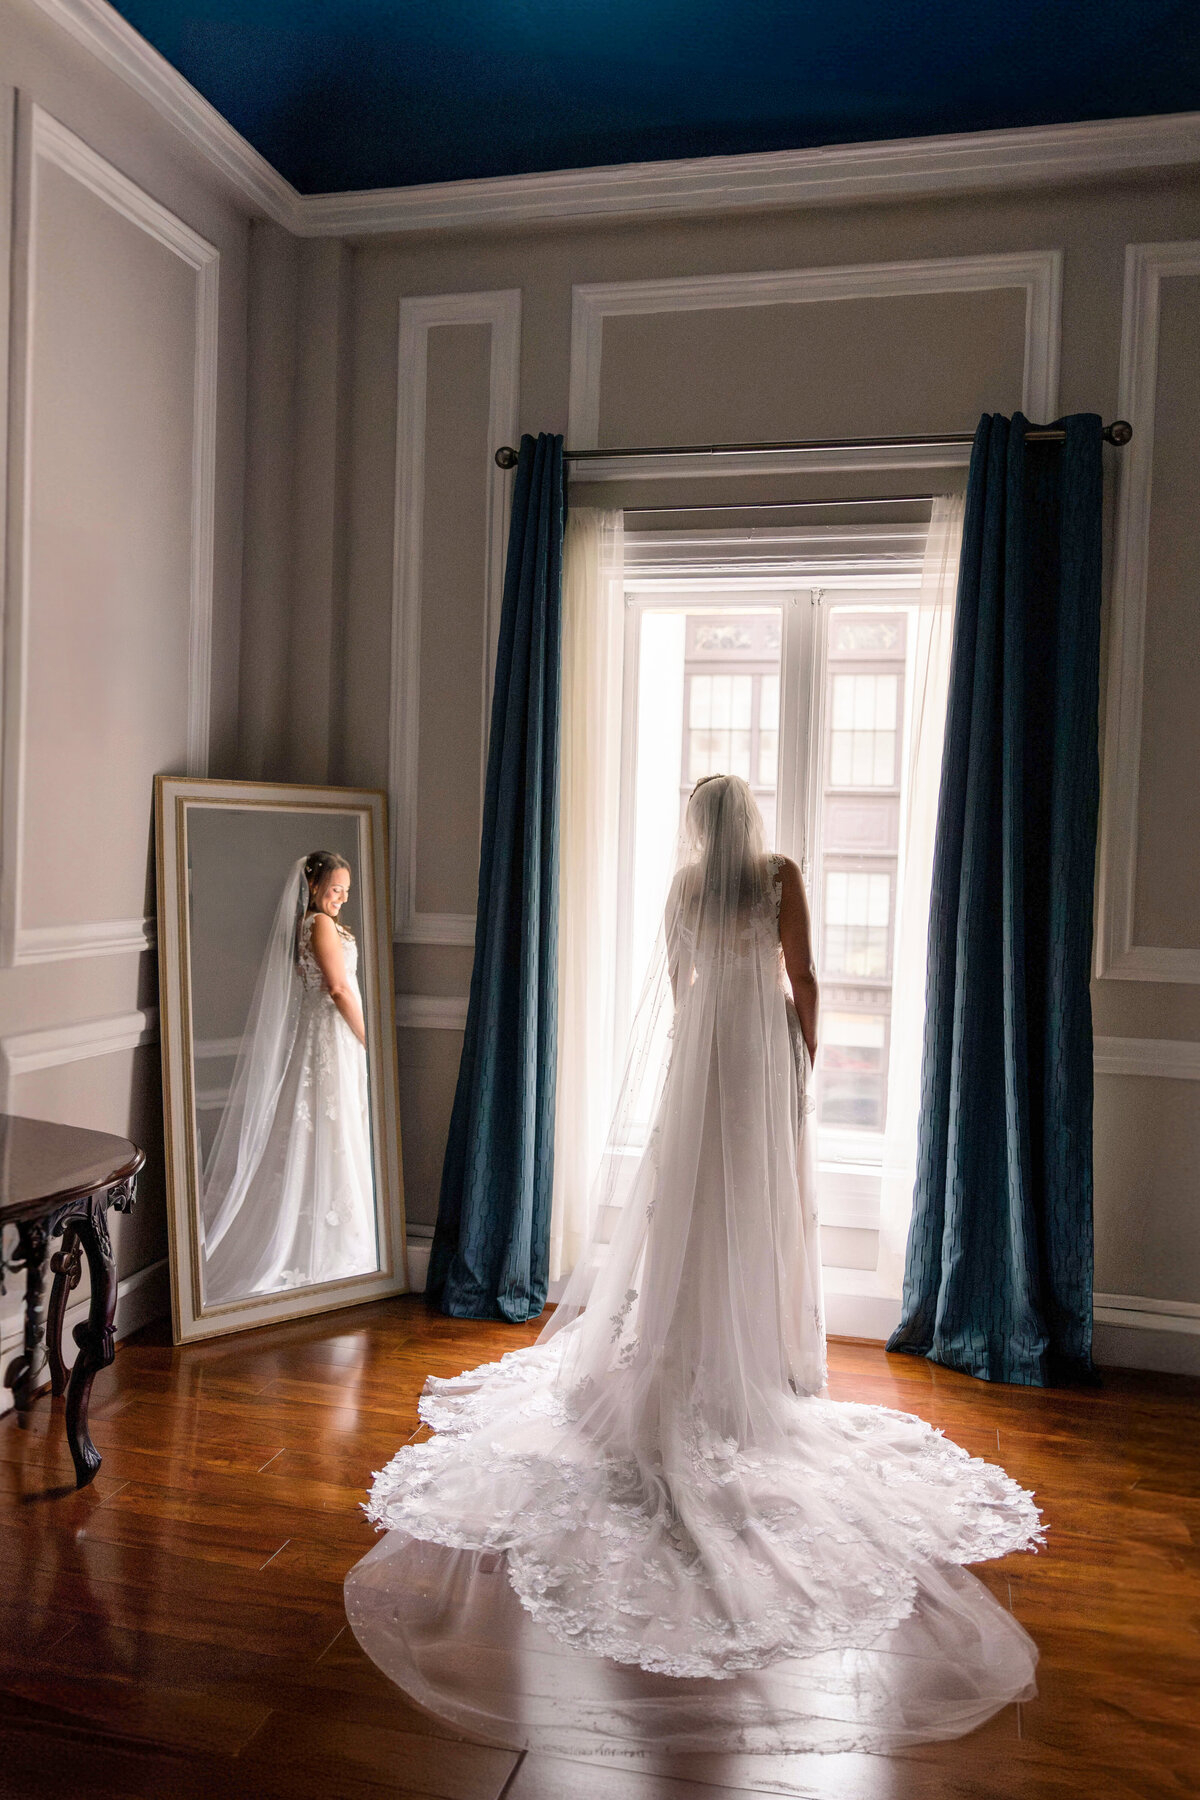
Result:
[[279, 1052]]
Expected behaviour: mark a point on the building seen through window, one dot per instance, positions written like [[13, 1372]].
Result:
[[731, 726], [860, 843], [731, 704]]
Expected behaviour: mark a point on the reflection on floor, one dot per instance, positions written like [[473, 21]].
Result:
[[177, 1629]]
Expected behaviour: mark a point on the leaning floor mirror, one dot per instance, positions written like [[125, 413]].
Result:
[[279, 1052]]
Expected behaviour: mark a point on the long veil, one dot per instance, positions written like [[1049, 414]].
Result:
[[262, 1060], [699, 1239], [649, 1530]]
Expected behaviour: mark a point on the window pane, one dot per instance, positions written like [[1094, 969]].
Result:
[[720, 699], [768, 703], [720, 710], [768, 730], [857, 917], [862, 751], [853, 1047]]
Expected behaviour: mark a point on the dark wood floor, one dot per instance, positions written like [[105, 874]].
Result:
[[177, 1629]]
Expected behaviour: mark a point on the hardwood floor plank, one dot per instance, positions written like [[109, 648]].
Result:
[[404, 1762]]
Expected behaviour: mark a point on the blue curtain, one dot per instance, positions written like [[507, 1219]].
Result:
[[490, 1256], [998, 1279]]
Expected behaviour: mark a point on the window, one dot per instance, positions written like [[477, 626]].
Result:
[[768, 730], [854, 1063], [719, 726], [862, 746], [823, 753], [858, 918], [731, 673], [859, 839]]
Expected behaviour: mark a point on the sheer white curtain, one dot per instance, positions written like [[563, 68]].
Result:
[[928, 683], [592, 634]]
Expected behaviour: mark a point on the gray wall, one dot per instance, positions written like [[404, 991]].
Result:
[[127, 362], [842, 366]]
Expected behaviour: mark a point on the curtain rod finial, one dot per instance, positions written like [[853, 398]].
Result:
[[1119, 432], [506, 457]]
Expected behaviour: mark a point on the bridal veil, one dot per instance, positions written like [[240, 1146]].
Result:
[[649, 1531]]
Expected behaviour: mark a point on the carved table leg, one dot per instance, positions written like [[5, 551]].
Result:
[[23, 1372], [94, 1337], [66, 1266]]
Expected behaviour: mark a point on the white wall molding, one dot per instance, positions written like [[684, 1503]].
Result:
[[42, 139], [436, 1012], [830, 175], [418, 1250], [439, 928], [1146, 1315], [1117, 956], [1170, 1059], [1037, 272], [122, 49], [1134, 1332], [63, 943], [501, 311], [24, 1052]]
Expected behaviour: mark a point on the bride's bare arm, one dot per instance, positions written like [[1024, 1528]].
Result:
[[327, 948], [671, 923], [795, 934]]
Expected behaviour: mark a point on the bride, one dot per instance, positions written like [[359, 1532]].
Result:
[[288, 1198], [649, 1529]]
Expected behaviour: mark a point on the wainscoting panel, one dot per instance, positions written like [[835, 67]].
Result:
[[1018, 331], [1120, 955], [111, 493], [420, 606]]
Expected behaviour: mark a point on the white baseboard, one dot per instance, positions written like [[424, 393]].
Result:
[[1170, 1352], [141, 1298], [1131, 1332], [1134, 1332], [418, 1263]]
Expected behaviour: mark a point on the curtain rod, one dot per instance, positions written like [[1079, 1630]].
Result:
[[1119, 432]]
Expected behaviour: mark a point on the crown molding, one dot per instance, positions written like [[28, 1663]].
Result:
[[115, 43], [835, 174]]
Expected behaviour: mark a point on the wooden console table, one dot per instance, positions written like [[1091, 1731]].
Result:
[[57, 1180]]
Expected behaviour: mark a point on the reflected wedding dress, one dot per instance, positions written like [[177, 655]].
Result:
[[288, 1193], [649, 1529]]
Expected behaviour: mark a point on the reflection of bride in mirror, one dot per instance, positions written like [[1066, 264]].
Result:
[[288, 1198]]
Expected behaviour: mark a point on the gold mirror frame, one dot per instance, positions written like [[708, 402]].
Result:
[[174, 797]]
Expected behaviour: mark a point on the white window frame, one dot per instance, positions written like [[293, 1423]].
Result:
[[807, 573]]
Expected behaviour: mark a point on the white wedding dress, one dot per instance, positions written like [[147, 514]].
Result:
[[649, 1529], [289, 1196]]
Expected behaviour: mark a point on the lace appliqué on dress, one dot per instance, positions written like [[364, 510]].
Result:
[[819, 1537]]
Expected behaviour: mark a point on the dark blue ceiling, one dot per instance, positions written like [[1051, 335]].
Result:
[[341, 94]]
